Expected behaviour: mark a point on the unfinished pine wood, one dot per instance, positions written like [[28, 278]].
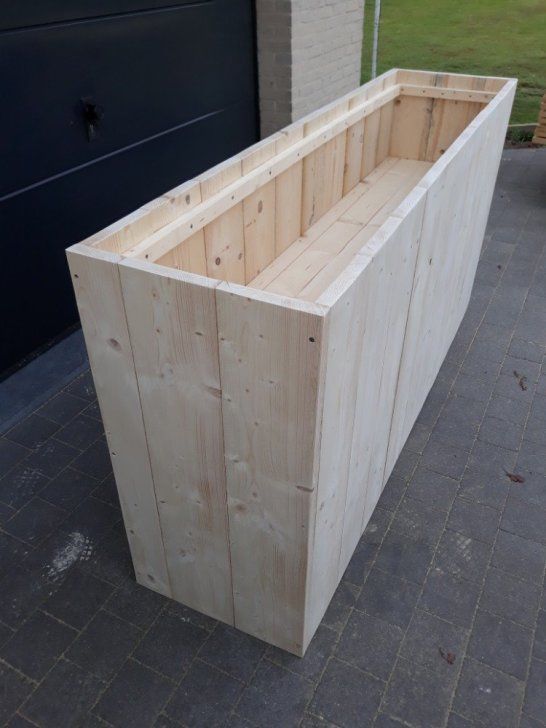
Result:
[[295, 273], [270, 361], [172, 326], [95, 275], [261, 357]]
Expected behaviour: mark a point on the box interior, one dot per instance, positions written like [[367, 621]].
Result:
[[294, 233]]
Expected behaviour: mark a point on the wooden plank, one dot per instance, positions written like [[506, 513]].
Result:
[[172, 324], [224, 235], [160, 243], [444, 274], [269, 360], [322, 180], [288, 192], [188, 256], [454, 94], [371, 137], [259, 215], [410, 127], [96, 280], [353, 156], [386, 114]]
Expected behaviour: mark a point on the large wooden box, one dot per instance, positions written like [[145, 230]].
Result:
[[263, 337]]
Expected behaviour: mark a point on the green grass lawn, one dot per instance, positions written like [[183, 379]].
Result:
[[492, 37]]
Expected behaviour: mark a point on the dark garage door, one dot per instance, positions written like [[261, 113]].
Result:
[[173, 87]]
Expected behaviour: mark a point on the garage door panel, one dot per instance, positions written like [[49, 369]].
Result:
[[148, 72]]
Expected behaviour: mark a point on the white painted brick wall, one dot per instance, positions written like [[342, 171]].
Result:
[[309, 53]]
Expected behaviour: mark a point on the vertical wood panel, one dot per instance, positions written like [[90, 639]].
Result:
[[269, 360], [371, 137], [288, 193], [96, 280], [353, 156], [188, 256], [172, 325]]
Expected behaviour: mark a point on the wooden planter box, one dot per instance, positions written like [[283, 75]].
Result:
[[263, 337]]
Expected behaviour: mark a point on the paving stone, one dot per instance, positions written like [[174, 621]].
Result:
[[12, 552], [418, 520], [275, 697], [11, 453], [95, 461], [17, 721], [110, 558], [510, 597], [377, 526], [135, 697], [535, 694], [444, 459], [472, 387], [92, 518], [449, 597], [20, 593], [93, 410], [233, 652], [170, 645], [361, 561], [510, 410], [405, 558], [527, 722], [6, 512], [82, 387], [312, 664], [63, 698], [62, 408], [107, 491], [406, 691], [501, 432], [68, 489], [519, 556], [32, 432], [456, 721], [346, 696], [186, 614], [339, 609], [204, 697], [459, 421], [535, 430], [138, 605], [389, 598], [539, 647], [370, 644], [52, 457], [393, 492], [518, 368], [432, 488], [485, 488], [104, 645], [524, 519], [474, 520], [500, 643], [58, 554], [532, 457], [491, 458], [36, 520], [487, 696], [80, 432], [78, 598], [20, 485], [405, 465], [435, 644], [14, 688], [385, 721], [36, 645], [462, 556], [418, 438], [508, 386]]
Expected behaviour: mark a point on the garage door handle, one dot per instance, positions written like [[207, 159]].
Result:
[[92, 114]]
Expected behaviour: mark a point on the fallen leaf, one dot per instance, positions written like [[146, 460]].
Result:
[[514, 477], [449, 657], [522, 380]]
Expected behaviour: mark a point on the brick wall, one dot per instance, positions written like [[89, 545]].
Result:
[[308, 54]]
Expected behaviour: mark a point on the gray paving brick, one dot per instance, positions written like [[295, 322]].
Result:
[[443, 458], [432, 488], [501, 644], [520, 557], [388, 598], [535, 694], [524, 519], [484, 488], [510, 597], [488, 697], [449, 597], [462, 556], [474, 520], [527, 350], [501, 432], [511, 410], [312, 664], [370, 644]]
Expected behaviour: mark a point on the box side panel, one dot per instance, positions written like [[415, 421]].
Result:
[[458, 201], [95, 276], [389, 285], [172, 325], [270, 374]]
